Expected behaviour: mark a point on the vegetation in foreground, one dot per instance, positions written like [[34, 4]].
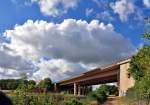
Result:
[[50, 99], [140, 71], [24, 95], [24, 92]]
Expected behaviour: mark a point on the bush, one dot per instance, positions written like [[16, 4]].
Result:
[[113, 90], [109, 89], [33, 99], [101, 94], [73, 102], [101, 97], [140, 92]]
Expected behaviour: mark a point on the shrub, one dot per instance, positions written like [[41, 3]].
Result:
[[73, 102], [101, 94], [33, 99]]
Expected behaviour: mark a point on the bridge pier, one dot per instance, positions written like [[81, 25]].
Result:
[[79, 90], [75, 89], [125, 82], [56, 87]]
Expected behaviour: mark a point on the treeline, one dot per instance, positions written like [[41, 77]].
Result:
[[44, 85], [12, 84]]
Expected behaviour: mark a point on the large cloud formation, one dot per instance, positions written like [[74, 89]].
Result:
[[73, 40], [70, 46]]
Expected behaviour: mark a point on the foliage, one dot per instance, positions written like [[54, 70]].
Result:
[[140, 63], [9, 84], [103, 91], [31, 82], [73, 102], [140, 71], [113, 90], [33, 99], [104, 88], [147, 36], [45, 84], [24, 96], [109, 89], [141, 91], [53, 99], [100, 94], [12, 84]]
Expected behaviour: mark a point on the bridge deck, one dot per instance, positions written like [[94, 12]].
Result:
[[99, 75]]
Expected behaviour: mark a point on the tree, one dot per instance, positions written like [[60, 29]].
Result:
[[139, 64], [140, 71], [147, 36], [100, 94], [45, 84], [31, 82], [113, 90], [103, 91], [9, 84]]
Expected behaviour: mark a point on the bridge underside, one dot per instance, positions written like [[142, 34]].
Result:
[[94, 81], [97, 76], [112, 73]]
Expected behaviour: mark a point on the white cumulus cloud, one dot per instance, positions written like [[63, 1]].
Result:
[[72, 46], [55, 7], [74, 40], [105, 15], [57, 69], [123, 8], [147, 3], [88, 11]]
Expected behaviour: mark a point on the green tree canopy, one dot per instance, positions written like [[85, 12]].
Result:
[[140, 63], [140, 71], [147, 36], [45, 84]]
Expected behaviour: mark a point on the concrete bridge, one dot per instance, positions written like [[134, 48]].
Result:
[[117, 72]]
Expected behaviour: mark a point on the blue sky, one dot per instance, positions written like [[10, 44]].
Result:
[[127, 19], [17, 12]]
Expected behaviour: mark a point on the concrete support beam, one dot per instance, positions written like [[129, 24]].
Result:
[[79, 90], [125, 82], [75, 89], [55, 87]]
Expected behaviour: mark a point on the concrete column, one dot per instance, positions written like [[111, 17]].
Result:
[[118, 78], [55, 87], [75, 89], [83, 90], [125, 82], [79, 90]]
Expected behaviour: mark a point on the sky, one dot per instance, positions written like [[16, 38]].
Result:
[[63, 38]]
